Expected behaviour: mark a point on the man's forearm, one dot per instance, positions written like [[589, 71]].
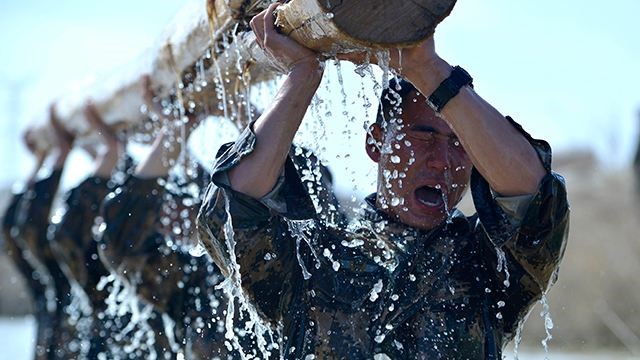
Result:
[[258, 172], [160, 159], [499, 152]]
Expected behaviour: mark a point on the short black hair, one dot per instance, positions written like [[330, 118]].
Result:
[[392, 98]]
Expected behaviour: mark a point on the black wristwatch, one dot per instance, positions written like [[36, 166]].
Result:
[[449, 88]]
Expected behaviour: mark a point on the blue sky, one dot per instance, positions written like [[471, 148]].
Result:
[[567, 70]]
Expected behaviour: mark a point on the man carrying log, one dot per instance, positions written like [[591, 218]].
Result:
[[25, 226], [414, 278]]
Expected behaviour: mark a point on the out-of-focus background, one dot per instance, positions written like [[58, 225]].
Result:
[[567, 71]]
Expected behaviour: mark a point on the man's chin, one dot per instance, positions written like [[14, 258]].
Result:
[[421, 220]]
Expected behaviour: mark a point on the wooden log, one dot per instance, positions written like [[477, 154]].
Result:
[[118, 98], [214, 43], [334, 26]]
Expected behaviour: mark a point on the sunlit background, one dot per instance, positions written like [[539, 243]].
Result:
[[568, 71]]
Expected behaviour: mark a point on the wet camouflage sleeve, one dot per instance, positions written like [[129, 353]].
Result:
[[34, 211], [168, 277], [131, 219], [32, 223], [31, 229], [268, 265], [134, 248], [15, 252], [73, 235], [9, 232], [532, 250], [129, 213]]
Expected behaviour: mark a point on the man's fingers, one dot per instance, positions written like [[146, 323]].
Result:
[[93, 117], [28, 141], [269, 18], [146, 86], [146, 81], [52, 110], [53, 116], [96, 121], [257, 25]]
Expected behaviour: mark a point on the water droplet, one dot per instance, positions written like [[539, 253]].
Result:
[[396, 201], [198, 250], [375, 292], [335, 265]]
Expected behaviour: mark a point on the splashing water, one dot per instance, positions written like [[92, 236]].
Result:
[[232, 288], [384, 59], [198, 250], [300, 229], [79, 312], [548, 324], [518, 336], [334, 264], [502, 265], [169, 325], [123, 301], [375, 292], [365, 67]]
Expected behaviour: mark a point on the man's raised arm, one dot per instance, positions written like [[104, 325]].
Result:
[[498, 151], [258, 172]]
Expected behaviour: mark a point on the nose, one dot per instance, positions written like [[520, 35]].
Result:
[[438, 156]]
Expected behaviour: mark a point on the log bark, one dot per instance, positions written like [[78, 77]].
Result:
[[209, 54]]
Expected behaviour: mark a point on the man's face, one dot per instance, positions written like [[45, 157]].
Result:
[[423, 170]]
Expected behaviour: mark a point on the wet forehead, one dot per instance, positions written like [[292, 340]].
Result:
[[417, 115]]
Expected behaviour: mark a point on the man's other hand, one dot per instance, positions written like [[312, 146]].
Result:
[[284, 52]]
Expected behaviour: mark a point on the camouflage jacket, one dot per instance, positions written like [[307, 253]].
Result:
[[163, 273], [30, 230], [28, 221], [73, 242], [15, 252], [380, 288]]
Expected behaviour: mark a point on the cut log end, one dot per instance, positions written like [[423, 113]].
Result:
[[385, 22]]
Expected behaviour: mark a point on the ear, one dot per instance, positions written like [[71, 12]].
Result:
[[374, 137]]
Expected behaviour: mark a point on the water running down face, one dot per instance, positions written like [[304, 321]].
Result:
[[423, 170]]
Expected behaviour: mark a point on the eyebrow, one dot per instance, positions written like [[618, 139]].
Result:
[[431, 129], [424, 128]]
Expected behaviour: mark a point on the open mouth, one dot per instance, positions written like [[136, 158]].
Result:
[[429, 196]]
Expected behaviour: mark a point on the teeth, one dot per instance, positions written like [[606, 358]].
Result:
[[429, 203]]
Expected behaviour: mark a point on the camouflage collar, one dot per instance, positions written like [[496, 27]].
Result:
[[404, 235]]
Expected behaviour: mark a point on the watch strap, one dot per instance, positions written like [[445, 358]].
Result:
[[449, 88]]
